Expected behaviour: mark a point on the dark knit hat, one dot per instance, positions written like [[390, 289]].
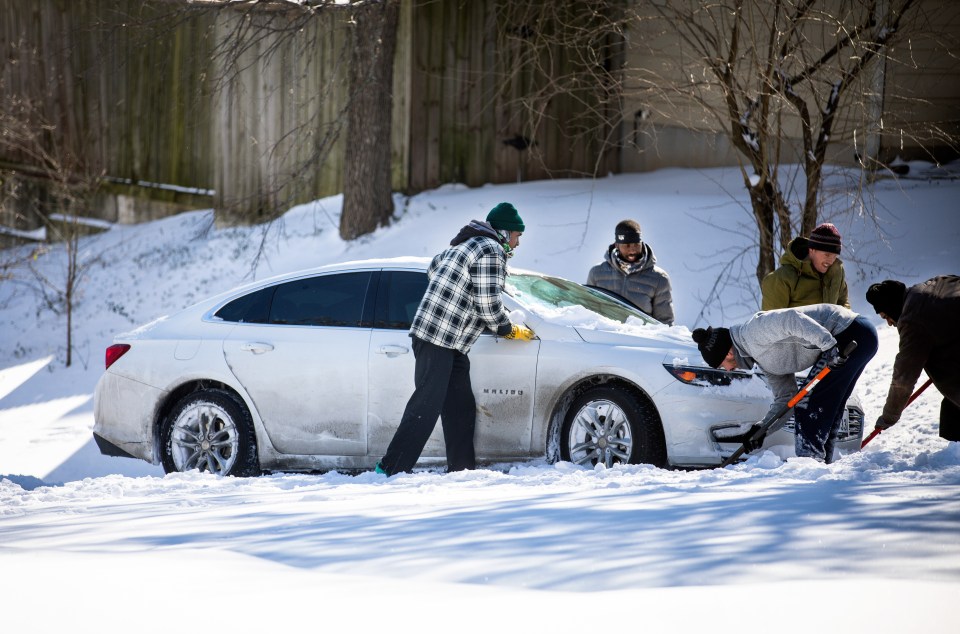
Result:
[[887, 297], [627, 232], [825, 238], [714, 344], [505, 217]]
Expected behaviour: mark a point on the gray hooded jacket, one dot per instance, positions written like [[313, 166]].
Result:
[[785, 341]]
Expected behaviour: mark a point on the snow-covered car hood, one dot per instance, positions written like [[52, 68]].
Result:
[[676, 347], [647, 336]]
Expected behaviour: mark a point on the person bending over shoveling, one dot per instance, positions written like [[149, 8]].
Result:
[[786, 341]]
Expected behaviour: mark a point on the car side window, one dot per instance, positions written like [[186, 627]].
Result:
[[252, 308], [324, 300], [398, 298]]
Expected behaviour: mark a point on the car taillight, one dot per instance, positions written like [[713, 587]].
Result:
[[116, 351]]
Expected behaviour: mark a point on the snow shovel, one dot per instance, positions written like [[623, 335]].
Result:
[[765, 425], [912, 399]]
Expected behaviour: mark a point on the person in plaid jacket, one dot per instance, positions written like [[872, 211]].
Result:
[[461, 301]]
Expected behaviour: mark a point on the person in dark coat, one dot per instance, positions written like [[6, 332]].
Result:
[[629, 269], [785, 341], [810, 272], [461, 301], [927, 316]]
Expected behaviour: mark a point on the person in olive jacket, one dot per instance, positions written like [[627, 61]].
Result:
[[810, 272], [926, 316]]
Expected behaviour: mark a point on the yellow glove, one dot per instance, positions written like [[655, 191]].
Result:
[[520, 332]]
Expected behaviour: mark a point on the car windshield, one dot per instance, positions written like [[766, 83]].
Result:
[[547, 296]]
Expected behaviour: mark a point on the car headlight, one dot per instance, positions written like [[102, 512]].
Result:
[[702, 376]]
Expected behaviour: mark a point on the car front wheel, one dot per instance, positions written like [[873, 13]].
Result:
[[209, 430], [609, 426]]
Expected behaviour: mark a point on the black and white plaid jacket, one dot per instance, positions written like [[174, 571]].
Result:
[[463, 295]]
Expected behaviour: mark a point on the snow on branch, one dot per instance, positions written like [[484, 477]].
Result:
[[833, 100], [748, 135]]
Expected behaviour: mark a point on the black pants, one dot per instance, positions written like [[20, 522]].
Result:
[[442, 389], [819, 420], [949, 420]]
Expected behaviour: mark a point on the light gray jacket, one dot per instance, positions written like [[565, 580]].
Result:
[[785, 341]]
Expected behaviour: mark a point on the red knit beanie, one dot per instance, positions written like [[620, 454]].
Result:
[[825, 238]]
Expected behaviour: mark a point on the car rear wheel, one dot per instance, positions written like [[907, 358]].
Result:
[[210, 430], [610, 426]]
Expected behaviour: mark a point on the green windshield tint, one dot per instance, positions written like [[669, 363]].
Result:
[[535, 291]]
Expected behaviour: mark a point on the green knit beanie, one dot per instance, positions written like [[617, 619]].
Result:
[[505, 217]]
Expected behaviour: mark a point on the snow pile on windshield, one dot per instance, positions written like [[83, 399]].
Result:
[[581, 317]]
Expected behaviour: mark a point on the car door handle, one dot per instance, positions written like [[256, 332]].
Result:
[[393, 351], [256, 347]]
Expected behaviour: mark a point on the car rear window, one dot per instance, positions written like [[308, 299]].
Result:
[[253, 308], [323, 300]]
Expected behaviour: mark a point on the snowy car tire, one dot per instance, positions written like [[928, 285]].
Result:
[[209, 430], [611, 426]]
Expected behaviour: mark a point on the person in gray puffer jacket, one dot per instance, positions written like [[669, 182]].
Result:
[[786, 341], [629, 269]]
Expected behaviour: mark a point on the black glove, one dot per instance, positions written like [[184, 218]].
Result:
[[755, 443], [833, 357], [883, 425]]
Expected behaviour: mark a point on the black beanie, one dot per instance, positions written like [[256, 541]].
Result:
[[714, 344], [887, 298], [627, 232]]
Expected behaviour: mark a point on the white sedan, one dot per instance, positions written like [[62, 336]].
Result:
[[311, 370]]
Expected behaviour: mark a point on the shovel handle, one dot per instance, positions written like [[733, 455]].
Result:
[[876, 432], [872, 435]]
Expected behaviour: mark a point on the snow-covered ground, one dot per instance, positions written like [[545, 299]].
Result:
[[90, 543]]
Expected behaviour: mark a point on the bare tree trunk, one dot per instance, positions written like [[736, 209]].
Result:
[[72, 247], [367, 186], [68, 300], [772, 215]]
